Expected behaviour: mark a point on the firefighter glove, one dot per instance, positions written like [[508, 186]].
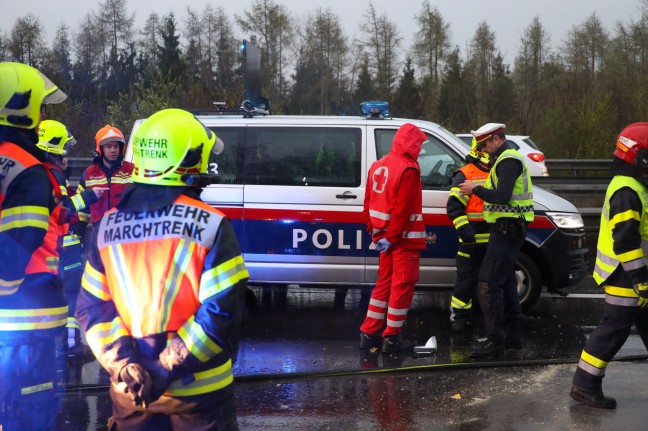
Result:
[[383, 245], [136, 381], [161, 378], [641, 289]]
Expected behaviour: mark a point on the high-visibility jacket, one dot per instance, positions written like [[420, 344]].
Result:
[[383, 186], [606, 259], [31, 301], [153, 276], [464, 210], [521, 202], [71, 203], [95, 177]]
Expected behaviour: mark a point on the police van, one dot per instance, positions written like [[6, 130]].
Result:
[[294, 187]]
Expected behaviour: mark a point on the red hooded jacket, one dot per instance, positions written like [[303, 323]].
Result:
[[393, 206]]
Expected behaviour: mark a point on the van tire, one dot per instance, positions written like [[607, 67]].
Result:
[[529, 281]]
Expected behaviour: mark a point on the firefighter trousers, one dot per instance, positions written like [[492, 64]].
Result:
[[398, 272], [606, 340], [469, 261], [213, 411]]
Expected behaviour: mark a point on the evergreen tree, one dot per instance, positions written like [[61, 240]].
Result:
[[407, 99]]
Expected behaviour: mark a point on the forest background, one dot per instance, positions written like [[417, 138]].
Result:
[[573, 100]]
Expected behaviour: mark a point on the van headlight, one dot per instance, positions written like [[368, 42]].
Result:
[[567, 220]]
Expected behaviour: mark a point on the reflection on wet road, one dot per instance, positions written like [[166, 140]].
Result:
[[299, 347]]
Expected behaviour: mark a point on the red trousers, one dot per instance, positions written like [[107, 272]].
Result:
[[398, 272]]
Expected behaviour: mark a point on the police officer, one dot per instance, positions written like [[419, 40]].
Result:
[[394, 216], [33, 311], [508, 208], [620, 265], [164, 286], [467, 215], [55, 140], [109, 172]]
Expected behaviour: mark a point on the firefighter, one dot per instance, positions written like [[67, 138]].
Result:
[[33, 311], [508, 208], [109, 172], [164, 285], [394, 216], [55, 140], [620, 265], [467, 215]]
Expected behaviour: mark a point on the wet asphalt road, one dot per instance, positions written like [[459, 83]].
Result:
[[299, 368]]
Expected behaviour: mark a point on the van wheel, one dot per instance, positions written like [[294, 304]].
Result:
[[529, 282]]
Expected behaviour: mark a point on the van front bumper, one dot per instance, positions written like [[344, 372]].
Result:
[[567, 256]]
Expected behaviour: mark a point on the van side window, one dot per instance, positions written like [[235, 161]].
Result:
[[437, 161], [304, 156], [229, 163]]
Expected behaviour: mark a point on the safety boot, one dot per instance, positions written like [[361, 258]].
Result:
[[487, 349], [593, 399], [368, 341], [396, 343], [459, 320]]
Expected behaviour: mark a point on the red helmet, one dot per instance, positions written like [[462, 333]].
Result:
[[632, 144]]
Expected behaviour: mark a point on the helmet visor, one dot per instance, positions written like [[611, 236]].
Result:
[[53, 94]]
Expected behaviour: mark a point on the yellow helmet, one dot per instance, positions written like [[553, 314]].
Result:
[[54, 137], [475, 155], [23, 90], [169, 144]]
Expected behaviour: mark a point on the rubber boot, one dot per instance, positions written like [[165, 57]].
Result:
[[459, 320]]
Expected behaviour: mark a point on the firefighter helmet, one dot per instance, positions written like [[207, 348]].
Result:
[[169, 144], [23, 90], [476, 155], [54, 138], [632, 144], [107, 134]]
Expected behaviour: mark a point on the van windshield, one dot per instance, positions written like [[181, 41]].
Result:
[[437, 161]]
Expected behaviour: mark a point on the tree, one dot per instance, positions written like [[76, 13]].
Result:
[[585, 51], [170, 63], [58, 63], [456, 100], [407, 99], [364, 86], [272, 26], [481, 64], [148, 42], [431, 45], [381, 44], [116, 28], [321, 63], [502, 102], [26, 43], [528, 75]]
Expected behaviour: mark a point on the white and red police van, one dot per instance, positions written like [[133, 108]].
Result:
[[294, 187]]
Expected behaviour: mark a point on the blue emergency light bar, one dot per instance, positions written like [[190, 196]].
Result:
[[375, 109]]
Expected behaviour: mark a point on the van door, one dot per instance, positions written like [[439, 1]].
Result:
[[438, 162], [303, 203]]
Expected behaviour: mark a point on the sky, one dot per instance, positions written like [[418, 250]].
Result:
[[507, 18]]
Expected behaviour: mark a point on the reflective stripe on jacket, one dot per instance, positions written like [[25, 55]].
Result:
[[30, 296], [606, 259], [188, 286], [95, 177], [521, 202]]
